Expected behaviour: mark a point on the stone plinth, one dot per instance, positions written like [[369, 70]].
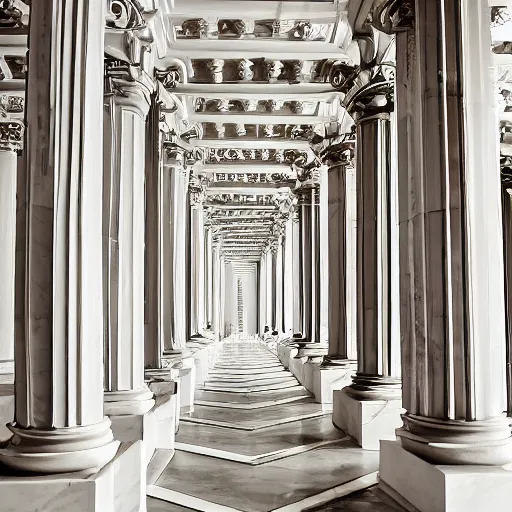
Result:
[[156, 427], [120, 486], [367, 421], [325, 380], [435, 488]]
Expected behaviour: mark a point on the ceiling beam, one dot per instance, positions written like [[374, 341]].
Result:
[[258, 119], [251, 143]]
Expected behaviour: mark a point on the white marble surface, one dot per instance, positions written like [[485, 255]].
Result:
[[435, 488], [117, 487], [366, 421]]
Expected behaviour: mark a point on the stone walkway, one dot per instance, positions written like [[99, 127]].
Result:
[[258, 442]]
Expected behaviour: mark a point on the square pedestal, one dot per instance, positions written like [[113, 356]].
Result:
[[187, 385], [6, 409], [323, 381], [367, 421], [120, 486], [419, 485], [157, 427]]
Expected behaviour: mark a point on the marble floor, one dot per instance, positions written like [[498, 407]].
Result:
[[257, 442]]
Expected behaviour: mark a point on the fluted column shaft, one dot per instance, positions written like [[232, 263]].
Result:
[[123, 248], [279, 286], [341, 346], [263, 293], [197, 269], [269, 289], [451, 266], [59, 423], [378, 374], [296, 247], [181, 179], [216, 292], [10, 144], [209, 278], [222, 315], [288, 278], [309, 205]]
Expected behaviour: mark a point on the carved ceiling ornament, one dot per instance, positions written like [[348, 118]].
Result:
[[10, 104], [245, 71], [221, 155], [231, 28], [124, 15], [216, 67], [392, 16], [250, 105], [11, 135], [170, 77], [274, 70], [195, 29], [14, 13]]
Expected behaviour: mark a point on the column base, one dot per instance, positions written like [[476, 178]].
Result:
[[424, 487], [6, 410], [119, 486], [367, 421], [61, 450], [121, 403], [329, 376], [156, 427]]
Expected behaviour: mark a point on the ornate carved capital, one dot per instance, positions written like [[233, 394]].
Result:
[[11, 135], [377, 96], [392, 16], [196, 189]]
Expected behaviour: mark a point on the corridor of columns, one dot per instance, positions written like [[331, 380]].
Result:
[[255, 255]]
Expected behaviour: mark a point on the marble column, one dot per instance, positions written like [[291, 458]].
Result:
[[375, 391], [126, 108], [10, 143], [288, 278], [222, 316], [269, 288], [296, 248], [59, 422], [342, 349], [451, 265], [180, 209], [157, 285], [209, 277], [216, 293], [506, 204], [263, 293], [197, 274], [309, 205], [279, 286]]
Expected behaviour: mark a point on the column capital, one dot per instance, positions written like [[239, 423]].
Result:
[[127, 85], [197, 190], [392, 16]]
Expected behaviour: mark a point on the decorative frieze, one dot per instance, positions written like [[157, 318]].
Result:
[[221, 155], [293, 30], [252, 177]]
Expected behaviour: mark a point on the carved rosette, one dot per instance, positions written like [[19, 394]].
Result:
[[11, 135], [223, 105], [231, 28], [275, 105], [240, 130], [297, 107]]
